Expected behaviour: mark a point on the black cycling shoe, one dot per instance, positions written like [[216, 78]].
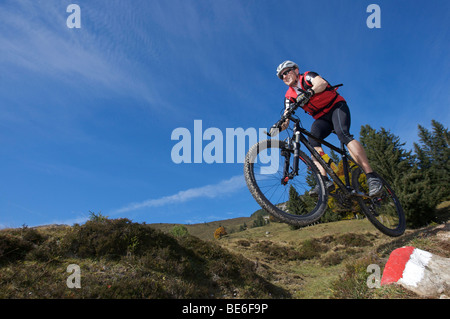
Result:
[[375, 186], [328, 185]]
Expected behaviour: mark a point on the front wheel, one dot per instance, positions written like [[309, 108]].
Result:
[[383, 211], [266, 167]]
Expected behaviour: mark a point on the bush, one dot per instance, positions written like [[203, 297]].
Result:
[[179, 231], [97, 217], [220, 232], [354, 240], [311, 248], [112, 238], [16, 244], [274, 251]]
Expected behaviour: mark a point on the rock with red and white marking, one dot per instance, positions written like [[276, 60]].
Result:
[[419, 271]]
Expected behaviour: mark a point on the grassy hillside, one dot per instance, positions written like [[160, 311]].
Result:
[[330, 260], [205, 231], [122, 259]]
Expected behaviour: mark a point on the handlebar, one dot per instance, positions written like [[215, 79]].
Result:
[[302, 99]]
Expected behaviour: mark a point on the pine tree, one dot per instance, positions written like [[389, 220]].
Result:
[[259, 221], [295, 204], [432, 155], [334, 157]]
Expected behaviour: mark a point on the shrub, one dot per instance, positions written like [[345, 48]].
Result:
[[311, 248], [220, 232], [112, 238], [16, 244], [179, 231], [277, 252], [354, 240], [97, 217]]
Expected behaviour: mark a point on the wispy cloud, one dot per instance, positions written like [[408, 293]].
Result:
[[34, 38], [222, 188]]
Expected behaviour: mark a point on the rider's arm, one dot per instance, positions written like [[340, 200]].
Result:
[[316, 82], [287, 103]]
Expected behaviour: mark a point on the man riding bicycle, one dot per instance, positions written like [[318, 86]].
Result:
[[330, 112]]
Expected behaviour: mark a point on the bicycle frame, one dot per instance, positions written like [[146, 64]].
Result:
[[383, 210], [299, 137]]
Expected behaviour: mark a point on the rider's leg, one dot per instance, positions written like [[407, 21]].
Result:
[[321, 169], [321, 128], [329, 184], [341, 122], [359, 155]]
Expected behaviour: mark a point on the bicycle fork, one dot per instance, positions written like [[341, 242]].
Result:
[[286, 153]]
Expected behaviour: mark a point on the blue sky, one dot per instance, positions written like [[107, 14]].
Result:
[[86, 115]]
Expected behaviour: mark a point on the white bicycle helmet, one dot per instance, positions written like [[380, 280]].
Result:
[[284, 65]]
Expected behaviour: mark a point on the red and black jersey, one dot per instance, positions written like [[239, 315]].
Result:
[[320, 103]]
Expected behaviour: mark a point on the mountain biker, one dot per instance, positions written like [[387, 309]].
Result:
[[330, 112]]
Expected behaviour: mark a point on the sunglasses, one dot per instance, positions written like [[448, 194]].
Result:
[[285, 72]]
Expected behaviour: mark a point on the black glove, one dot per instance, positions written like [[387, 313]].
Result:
[[309, 93], [304, 97]]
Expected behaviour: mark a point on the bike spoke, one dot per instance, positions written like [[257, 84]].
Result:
[[271, 185]]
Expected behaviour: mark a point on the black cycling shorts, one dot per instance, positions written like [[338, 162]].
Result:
[[338, 119]]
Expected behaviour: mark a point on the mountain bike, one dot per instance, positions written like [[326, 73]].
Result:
[[282, 185]]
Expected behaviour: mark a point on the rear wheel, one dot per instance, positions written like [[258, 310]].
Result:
[[384, 211], [287, 199]]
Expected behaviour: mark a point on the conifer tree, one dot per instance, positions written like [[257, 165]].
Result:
[[432, 155], [386, 154], [259, 221], [295, 204]]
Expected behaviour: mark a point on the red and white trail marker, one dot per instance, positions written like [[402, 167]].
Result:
[[420, 271]]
